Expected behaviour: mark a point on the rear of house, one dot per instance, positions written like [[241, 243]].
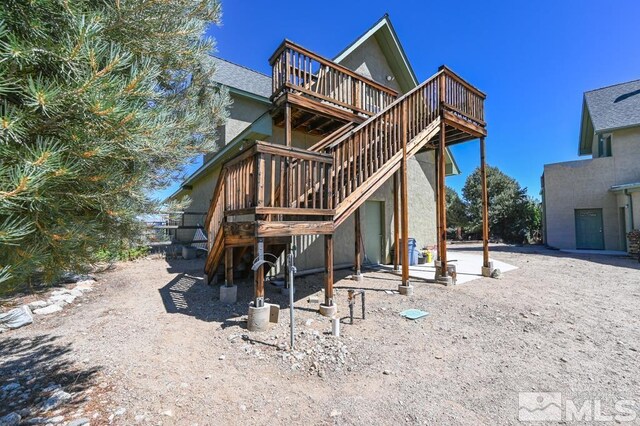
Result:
[[593, 204]]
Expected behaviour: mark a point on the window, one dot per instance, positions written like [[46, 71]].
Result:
[[604, 146]]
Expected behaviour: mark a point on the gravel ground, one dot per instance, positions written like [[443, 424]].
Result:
[[153, 345]]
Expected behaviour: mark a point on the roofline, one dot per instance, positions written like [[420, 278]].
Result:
[[625, 187], [246, 94], [241, 66], [585, 120], [216, 158], [371, 31], [455, 170], [612, 85]]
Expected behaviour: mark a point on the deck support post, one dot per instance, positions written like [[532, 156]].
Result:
[[328, 309], [258, 275], [486, 265], [396, 224], [285, 198], [228, 292], [437, 198], [405, 287], [358, 246], [442, 275]]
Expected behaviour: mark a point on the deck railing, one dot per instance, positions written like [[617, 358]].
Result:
[[300, 70]]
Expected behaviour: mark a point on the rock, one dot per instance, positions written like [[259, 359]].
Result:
[[535, 313], [167, 413], [54, 401], [48, 310], [139, 418], [221, 357], [308, 322], [496, 273], [386, 372], [563, 359], [70, 277], [10, 387], [16, 318], [83, 421], [335, 413], [38, 304], [120, 411], [37, 420], [56, 419], [11, 419], [62, 299]]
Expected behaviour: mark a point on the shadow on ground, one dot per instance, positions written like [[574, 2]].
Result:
[[187, 294], [33, 372]]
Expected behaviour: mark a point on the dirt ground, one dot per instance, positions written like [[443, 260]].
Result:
[[153, 345]]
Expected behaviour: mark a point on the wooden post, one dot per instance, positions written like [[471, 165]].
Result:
[[485, 206], [358, 253], [228, 266], [258, 276], [287, 141], [404, 203], [437, 197], [328, 270], [442, 228], [396, 224]]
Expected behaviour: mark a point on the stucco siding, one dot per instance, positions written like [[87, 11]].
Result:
[[580, 185], [368, 60]]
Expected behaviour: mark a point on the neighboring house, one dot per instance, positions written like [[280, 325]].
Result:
[[338, 156], [378, 55], [593, 204]]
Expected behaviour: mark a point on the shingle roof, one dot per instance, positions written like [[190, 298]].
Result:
[[242, 78], [614, 107]]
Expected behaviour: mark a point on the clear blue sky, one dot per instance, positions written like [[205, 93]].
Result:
[[534, 59]]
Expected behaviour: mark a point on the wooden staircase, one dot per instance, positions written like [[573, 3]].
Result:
[[270, 192]]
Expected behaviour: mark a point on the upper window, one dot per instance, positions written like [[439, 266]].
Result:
[[604, 145]]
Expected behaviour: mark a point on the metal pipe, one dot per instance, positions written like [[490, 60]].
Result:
[[292, 270]]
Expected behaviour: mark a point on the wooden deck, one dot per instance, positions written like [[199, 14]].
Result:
[[271, 192]]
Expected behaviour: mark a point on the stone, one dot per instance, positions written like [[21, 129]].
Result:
[[48, 310], [83, 421], [56, 419], [38, 304], [11, 419], [55, 400], [120, 411], [496, 273], [62, 299], [386, 372], [221, 357], [10, 387], [16, 318]]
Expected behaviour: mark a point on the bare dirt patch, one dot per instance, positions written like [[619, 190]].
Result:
[[153, 345]]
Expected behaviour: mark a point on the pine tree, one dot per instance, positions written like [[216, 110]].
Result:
[[101, 102]]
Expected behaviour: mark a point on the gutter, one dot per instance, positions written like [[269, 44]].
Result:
[[630, 198]]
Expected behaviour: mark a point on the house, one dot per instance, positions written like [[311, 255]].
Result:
[[594, 203], [329, 156]]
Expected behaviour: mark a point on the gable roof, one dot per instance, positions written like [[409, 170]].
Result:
[[384, 33], [241, 78], [607, 109]]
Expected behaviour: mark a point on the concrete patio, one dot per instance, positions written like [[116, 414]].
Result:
[[468, 267]]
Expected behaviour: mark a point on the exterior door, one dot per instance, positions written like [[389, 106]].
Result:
[[372, 231], [589, 229]]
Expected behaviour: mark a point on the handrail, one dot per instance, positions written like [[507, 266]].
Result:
[[327, 62], [390, 106], [299, 71]]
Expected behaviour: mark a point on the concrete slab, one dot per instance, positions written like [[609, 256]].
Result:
[[468, 268], [602, 252]]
